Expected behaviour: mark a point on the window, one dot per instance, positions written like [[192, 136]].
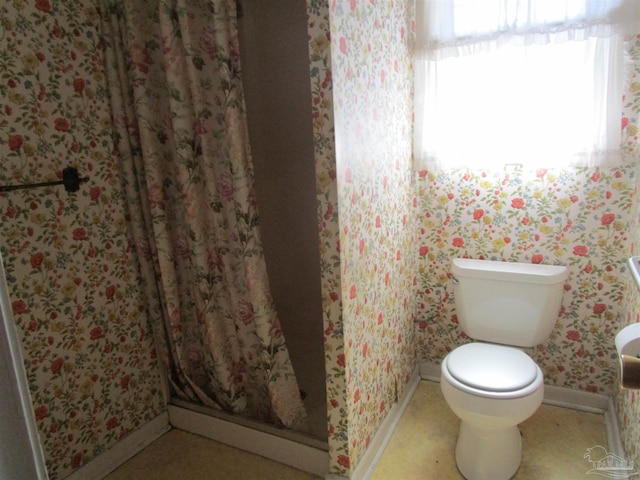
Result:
[[537, 83]]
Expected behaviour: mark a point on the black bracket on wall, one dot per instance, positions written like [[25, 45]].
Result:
[[70, 179]]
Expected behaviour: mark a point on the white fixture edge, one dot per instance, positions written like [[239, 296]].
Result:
[[372, 455], [16, 409], [122, 451], [282, 450]]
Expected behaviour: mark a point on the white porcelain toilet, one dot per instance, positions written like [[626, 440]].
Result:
[[491, 384]]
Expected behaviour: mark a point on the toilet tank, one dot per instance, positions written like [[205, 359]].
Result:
[[510, 303]]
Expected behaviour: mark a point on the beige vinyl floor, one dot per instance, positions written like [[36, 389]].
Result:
[[555, 441]]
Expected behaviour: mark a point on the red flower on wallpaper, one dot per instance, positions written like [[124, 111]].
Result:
[[79, 233], [573, 335], [78, 84], [112, 423], [124, 381], [61, 124], [348, 175], [625, 122], [458, 242], [110, 292], [537, 258], [478, 214], [424, 250], [36, 260], [607, 219], [599, 308], [76, 460], [341, 360], [43, 6], [96, 333], [18, 307], [352, 292], [41, 412], [343, 45], [517, 202], [580, 250], [56, 365], [94, 193], [15, 143], [356, 396], [344, 461]]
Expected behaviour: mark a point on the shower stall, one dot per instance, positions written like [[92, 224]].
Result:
[[275, 62], [275, 71]]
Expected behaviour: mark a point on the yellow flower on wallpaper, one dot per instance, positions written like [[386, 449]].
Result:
[[564, 202], [499, 243]]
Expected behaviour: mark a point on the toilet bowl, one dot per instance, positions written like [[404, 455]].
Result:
[[492, 389], [490, 384]]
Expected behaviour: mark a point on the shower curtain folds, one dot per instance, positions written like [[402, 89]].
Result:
[[181, 142]]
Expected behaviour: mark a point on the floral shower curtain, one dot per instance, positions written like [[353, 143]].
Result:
[[181, 138]]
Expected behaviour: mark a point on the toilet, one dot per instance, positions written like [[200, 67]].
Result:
[[491, 384]]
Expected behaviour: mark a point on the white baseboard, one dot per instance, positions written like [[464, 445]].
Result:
[[430, 371], [122, 451], [575, 399], [365, 467], [275, 447], [613, 433]]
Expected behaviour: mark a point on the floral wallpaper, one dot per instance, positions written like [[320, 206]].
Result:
[[328, 231], [579, 217], [626, 402], [71, 271], [385, 237], [371, 73]]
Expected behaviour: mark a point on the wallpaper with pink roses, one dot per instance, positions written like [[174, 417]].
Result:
[[362, 121], [386, 237], [579, 217], [71, 272], [626, 401]]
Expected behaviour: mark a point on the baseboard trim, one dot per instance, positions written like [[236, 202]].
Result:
[[575, 399], [365, 467], [553, 395], [282, 450], [613, 433], [122, 451]]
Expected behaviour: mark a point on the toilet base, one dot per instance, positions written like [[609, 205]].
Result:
[[485, 454]]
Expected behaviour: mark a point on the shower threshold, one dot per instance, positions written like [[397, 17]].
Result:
[[293, 448]]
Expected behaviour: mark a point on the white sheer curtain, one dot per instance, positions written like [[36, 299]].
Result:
[[531, 82]]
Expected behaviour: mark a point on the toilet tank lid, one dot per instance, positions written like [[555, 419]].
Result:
[[510, 271]]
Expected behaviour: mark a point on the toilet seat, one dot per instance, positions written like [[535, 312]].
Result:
[[493, 371]]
